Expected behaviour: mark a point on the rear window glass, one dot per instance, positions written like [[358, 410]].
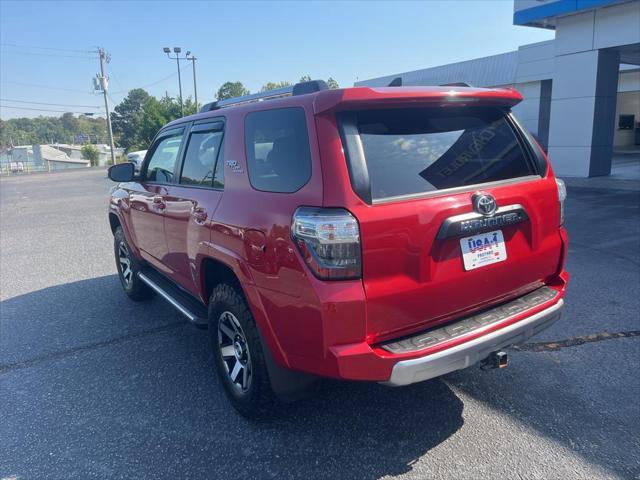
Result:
[[277, 145], [413, 151]]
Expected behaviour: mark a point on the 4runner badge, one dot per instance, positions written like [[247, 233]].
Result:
[[234, 166]]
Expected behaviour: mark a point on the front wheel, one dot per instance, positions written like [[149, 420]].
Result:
[[238, 354], [128, 268]]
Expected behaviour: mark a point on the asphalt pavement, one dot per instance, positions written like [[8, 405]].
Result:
[[93, 385]]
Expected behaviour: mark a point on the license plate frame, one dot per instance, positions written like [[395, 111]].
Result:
[[483, 249]]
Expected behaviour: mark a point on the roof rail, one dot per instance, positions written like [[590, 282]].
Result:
[[455, 84], [207, 107], [301, 88], [256, 97], [396, 82]]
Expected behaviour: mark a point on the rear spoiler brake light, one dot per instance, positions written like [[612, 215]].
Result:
[[353, 98]]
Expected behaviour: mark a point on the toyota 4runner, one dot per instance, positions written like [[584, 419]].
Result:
[[382, 234]]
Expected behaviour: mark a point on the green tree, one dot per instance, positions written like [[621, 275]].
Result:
[[127, 118], [190, 106], [91, 153], [69, 122], [139, 116], [332, 83], [273, 85], [156, 114], [43, 130], [95, 129], [231, 90]]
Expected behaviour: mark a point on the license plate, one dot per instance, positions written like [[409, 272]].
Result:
[[483, 249]]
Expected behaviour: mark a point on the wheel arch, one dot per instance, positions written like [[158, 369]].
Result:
[[214, 271], [114, 222]]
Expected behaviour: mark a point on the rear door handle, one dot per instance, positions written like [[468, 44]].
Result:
[[199, 215]]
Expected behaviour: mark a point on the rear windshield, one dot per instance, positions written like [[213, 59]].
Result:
[[418, 150]]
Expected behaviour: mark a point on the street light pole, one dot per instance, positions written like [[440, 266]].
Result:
[[177, 51], [195, 88], [180, 86]]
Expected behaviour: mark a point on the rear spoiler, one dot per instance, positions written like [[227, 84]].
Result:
[[353, 98]]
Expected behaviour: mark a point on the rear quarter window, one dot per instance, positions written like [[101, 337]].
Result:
[[419, 150], [277, 148]]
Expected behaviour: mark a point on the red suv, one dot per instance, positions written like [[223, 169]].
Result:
[[383, 234]]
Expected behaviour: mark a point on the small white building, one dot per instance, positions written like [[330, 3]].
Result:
[[581, 91], [50, 158]]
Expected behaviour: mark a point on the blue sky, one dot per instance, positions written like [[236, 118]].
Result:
[[254, 42]]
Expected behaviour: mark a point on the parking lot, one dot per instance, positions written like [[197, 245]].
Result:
[[93, 385]]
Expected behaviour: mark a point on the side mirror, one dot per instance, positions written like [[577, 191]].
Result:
[[122, 172]]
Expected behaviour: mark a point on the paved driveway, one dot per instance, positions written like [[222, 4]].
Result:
[[95, 386]]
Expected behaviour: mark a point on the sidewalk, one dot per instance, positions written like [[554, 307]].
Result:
[[625, 174]]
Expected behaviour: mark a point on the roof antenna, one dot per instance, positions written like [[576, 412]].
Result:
[[396, 82]]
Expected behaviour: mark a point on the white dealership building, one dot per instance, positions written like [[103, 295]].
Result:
[[581, 90]]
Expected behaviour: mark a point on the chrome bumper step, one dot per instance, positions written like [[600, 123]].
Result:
[[468, 353], [477, 322]]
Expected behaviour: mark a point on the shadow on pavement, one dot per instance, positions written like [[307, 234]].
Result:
[[575, 398], [584, 397], [95, 384]]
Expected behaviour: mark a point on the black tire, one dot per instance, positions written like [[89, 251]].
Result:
[[131, 284], [227, 306]]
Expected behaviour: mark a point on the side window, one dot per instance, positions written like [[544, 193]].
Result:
[[200, 159], [277, 146], [163, 161]]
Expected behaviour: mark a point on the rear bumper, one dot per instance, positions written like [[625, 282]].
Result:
[[448, 347], [406, 372]]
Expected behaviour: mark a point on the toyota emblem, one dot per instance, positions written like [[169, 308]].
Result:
[[484, 204]]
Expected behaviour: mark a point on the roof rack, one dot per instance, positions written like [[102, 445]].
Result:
[[301, 88]]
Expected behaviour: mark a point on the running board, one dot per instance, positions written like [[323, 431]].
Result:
[[183, 302]]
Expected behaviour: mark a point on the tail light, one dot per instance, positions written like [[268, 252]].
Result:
[[329, 242], [562, 196]]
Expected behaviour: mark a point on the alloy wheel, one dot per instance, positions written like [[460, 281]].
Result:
[[125, 264], [234, 350]]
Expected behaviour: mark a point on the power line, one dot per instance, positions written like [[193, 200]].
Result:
[[57, 55], [111, 98], [46, 110], [46, 87], [43, 103], [45, 48], [149, 84], [162, 79]]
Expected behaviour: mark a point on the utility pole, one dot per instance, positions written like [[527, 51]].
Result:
[[104, 85], [195, 88]]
